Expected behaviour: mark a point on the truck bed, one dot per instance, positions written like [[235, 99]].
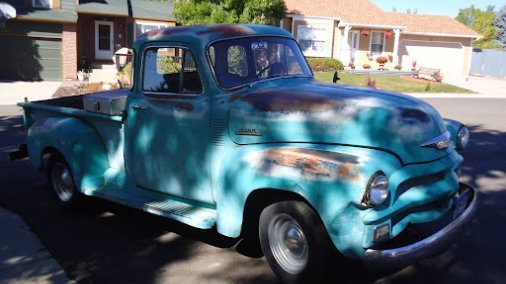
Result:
[[108, 127], [70, 102], [68, 106]]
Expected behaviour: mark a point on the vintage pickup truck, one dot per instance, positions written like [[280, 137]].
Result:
[[226, 129]]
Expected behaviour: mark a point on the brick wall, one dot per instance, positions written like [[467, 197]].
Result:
[[69, 51]]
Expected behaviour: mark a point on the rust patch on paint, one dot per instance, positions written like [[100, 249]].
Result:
[[166, 31], [281, 101], [307, 163], [227, 30], [185, 106], [233, 98]]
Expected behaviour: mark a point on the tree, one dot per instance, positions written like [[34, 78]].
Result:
[[500, 24], [189, 12], [482, 22]]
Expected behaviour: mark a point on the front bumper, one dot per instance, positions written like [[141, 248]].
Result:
[[428, 246]]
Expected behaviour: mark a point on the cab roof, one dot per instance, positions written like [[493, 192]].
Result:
[[202, 35]]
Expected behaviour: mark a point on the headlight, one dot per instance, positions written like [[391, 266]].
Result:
[[462, 138], [377, 190]]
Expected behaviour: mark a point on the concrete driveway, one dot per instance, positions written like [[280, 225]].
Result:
[[493, 87], [12, 92]]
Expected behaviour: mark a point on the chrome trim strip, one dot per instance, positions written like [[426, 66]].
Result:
[[445, 138], [426, 247]]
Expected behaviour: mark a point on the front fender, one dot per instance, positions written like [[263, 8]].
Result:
[[332, 179], [77, 141]]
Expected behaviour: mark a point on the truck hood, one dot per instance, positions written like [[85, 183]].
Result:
[[305, 111]]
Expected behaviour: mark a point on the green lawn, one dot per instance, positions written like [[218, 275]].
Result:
[[391, 83]]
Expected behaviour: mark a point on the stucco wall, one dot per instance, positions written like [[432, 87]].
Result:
[[327, 24]]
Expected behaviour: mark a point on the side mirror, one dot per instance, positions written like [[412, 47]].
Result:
[[336, 77]]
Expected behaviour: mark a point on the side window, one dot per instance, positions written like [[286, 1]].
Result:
[[237, 61], [170, 70]]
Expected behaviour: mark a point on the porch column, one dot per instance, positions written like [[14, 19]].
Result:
[[397, 33], [344, 55]]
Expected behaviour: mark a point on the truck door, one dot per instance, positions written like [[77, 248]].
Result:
[[167, 127]]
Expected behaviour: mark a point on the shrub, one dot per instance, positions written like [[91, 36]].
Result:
[[325, 64], [366, 66], [398, 67], [382, 60], [371, 83], [125, 75], [428, 88], [438, 77]]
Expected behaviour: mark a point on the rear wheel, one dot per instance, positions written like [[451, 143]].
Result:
[[62, 181], [295, 243]]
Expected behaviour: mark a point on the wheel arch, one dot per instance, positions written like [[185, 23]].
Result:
[[259, 199]]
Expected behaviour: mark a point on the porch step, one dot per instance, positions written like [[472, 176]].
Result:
[[196, 214], [103, 72]]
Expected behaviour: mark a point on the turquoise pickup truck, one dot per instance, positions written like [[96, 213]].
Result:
[[226, 129]]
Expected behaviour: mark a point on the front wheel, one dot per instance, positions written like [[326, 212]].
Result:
[[62, 181], [296, 244]]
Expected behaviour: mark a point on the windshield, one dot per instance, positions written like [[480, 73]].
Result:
[[247, 60]]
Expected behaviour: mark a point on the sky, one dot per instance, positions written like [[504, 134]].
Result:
[[438, 7]]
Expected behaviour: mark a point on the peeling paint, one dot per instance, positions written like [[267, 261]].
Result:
[[305, 163]]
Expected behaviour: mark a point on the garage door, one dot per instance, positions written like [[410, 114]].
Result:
[[447, 56], [31, 55]]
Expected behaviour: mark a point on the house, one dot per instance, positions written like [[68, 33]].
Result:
[[52, 39], [358, 31]]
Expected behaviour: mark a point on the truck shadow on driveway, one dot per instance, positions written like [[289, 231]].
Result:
[[104, 242]]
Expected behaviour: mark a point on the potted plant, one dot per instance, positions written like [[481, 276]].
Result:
[[80, 75], [365, 32], [381, 61]]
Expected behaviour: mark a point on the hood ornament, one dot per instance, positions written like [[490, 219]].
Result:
[[441, 142]]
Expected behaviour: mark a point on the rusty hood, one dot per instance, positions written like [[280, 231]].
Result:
[[305, 111]]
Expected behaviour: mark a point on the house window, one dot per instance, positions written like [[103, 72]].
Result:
[[42, 4], [142, 27], [170, 70], [377, 43], [312, 40]]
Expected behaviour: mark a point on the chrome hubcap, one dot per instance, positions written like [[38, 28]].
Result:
[[62, 182], [288, 243]]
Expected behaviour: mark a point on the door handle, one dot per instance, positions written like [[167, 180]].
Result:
[[138, 107]]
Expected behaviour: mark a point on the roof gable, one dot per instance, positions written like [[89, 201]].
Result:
[[366, 13]]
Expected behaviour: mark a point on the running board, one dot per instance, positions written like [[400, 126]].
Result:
[[196, 215]]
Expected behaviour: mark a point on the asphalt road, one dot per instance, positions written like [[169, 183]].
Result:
[[107, 243]]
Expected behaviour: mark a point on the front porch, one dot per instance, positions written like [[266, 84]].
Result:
[[99, 37], [361, 47]]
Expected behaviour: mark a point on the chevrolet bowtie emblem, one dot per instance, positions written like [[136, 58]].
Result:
[[441, 142]]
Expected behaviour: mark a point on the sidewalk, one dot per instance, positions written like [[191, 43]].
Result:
[[23, 259], [14, 92]]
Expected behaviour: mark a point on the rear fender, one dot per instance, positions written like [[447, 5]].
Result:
[[77, 141]]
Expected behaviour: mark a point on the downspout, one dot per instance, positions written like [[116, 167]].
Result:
[[130, 25]]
